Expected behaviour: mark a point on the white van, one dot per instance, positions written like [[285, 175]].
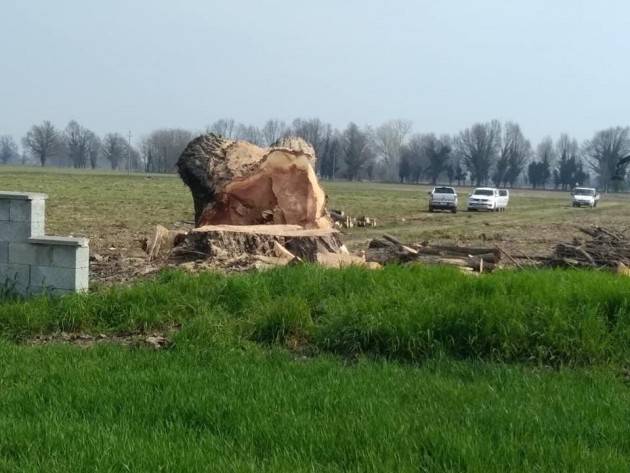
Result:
[[584, 197], [488, 198]]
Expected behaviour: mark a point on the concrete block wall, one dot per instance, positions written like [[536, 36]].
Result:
[[32, 262]]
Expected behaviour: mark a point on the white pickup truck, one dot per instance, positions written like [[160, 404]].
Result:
[[443, 198], [488, 198], [584, 197]]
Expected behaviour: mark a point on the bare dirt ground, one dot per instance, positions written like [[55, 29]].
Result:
[[117, 212]]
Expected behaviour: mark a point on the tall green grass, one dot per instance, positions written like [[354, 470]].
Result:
[[109, 409], [229, 397], [403, 313]]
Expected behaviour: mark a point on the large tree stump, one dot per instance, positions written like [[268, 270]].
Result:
[[233, 241], [238, 183]]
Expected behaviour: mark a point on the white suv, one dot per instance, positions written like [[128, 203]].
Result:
[[488, 198]]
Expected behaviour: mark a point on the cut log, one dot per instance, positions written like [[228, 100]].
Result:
[[392, 239], [383, 255], [272, 260], [281, 252], [161, 243], [460, 250], [338, 260], [239, 183], [337, 215], [378, 243], [408, 250]]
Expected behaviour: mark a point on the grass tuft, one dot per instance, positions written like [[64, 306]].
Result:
[[403, 313]]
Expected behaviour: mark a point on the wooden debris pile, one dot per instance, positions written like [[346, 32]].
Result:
[[469, 259], [606, 249], [342, 220]]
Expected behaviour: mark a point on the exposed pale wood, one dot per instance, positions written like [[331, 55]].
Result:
[[338, 260], [272, 260], [161, 243], [273, 230], [622, 269], [239, 183], [281, 252], [408, 249], [226, 241]]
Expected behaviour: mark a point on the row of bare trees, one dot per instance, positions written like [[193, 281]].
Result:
[[489, 152], [74, 146]]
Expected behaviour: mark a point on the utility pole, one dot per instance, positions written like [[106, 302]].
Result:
[[129, 154]]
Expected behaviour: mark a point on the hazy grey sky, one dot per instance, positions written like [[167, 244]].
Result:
[[121, 65]]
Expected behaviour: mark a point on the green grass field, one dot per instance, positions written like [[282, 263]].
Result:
[[404, 369]]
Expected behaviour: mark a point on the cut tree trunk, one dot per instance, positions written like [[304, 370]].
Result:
[[233, 241], [239, 183]]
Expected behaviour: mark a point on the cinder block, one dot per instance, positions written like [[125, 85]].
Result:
[[30, 212], [83, 257], [65, 252], [18, 274], [15, 231], [35, 290], [27, 253], [38, 228], [5, 205], [59, 278], [38, 210], [82, 279], [4, 251], [20, 210], [71, 257]]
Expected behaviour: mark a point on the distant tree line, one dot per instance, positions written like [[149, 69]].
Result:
[[485, 153]]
